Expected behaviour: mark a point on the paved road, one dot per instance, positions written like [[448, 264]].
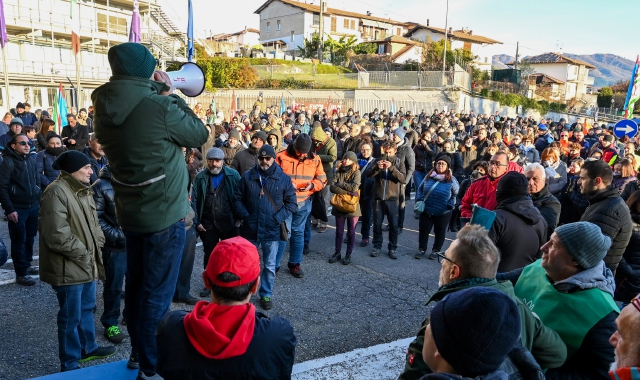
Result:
[[334, 308]]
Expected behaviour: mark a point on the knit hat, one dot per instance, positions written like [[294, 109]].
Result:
[[446, 159], [45, 113], [608, 138], [474, 329], [215, 154], [443, 135], [302, 143], [260, 135], [256, 127], [132, 60], [16, 120], [51, 136], [350, 155], [266, 150], [236, 255], [585, 242], [400, 133], [235, 134], [289, 122], [512, 184], [71, 161], [20, 105]]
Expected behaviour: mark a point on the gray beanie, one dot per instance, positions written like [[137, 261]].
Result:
[[350, 155], [585, 242]]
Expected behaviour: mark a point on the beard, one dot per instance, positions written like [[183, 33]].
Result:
[[215, 171]]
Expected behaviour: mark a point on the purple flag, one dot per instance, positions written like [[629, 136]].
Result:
[[3, 26], [134, 32]]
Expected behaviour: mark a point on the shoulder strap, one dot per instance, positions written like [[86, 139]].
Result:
[[275, 208], [430, 190]]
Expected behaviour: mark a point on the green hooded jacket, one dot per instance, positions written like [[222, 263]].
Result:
[[327, 151], [142, 134], [71, 238], [545, 344]]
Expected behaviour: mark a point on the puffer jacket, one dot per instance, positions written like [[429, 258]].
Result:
[[106, 209], [518, 231], [301, 172], [70, 235], [150, 185], [19, 182], [346, 180], [388, 183], [628, 273], [630, 188], [609, 212], [424, 157], [481, 192], [559, 180], [245, 159], [366, 183], [443, 197], [230, 151], [456, 164], [327, 151], [549, 207], [44, 165], [260, 221]]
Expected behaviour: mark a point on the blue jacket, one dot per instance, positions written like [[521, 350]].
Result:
[[260, 221], [44, 165], [27, 118], [442, 199]]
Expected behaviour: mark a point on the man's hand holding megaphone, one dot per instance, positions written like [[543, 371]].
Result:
[[161, 76]]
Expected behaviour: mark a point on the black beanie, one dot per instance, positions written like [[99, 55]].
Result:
[[512, 184], [474, 329], [256, 127], [445, 158], [302, 143], [71, 161], [132, 60]]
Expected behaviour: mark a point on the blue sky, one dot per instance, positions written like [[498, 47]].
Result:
[[569, 26]]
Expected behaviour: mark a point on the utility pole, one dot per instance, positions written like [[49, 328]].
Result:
[[517, 46], [321, 29], [444, 53]]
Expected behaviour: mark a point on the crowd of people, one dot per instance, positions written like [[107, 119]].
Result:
[[564, 246]]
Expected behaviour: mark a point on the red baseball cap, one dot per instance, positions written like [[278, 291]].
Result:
[[236, 255]]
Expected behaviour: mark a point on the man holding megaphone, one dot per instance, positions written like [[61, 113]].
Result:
[[142, 127]]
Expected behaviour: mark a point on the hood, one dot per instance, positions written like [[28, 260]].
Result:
[[318, 134], [112, 106], [522, 207], [276, 132], [105, 173], [220, 332], [598, 277]]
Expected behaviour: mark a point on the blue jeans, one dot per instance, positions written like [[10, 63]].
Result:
[[115, 267], [268, 275], [4, 255], [76, 328], [307, 231], [417, 178], [183, 285], [296, 224], [22, 235], [153, 263]]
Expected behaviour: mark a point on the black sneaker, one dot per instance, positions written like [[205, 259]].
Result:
[[25, 280], [399, 230], [347, 259], [265, 303], [364, 242], [392, 254], [133, 363], [375, 252], [205, 293], [189, 300], [385, 227], [305, 250], [34, 271], [114, 335], [335, 257], [144, 376], [420, 254], [98, 353]]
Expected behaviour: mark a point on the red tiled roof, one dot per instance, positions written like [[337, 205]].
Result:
[[456, 34], [557, 58], [330, 11]]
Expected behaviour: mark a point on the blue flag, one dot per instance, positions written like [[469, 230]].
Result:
[[283, 108]]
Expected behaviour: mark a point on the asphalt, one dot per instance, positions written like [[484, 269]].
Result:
[[334, 309]]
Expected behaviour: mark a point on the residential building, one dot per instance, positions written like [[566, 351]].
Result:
[[284, 24], [400, 49], [39, 55]]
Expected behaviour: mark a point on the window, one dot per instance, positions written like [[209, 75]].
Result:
[[51, 96], [316, 19], [399, 32], [353, 24], [268, 27], [278, 25], [292, 35], [346, 23], [117, 25], [37, 97]]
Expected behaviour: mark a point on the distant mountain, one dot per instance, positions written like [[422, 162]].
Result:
[[610, 68]]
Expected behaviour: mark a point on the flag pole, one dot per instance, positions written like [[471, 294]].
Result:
[[6, 77]]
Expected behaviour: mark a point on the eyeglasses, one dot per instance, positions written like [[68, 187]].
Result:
[[636, 302], [23, 143], [497, 163], [441, 257], [265, 159], [564, 135]]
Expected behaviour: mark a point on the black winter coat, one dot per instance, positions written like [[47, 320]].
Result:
[[80, 133], [574, 203], [44, 165], [630, 188], [518, 231], [388, 183], [245, 160], [456, 164], [269, 356], [424, 157], [611, 214], [106, 210], [96, 165], [469, 158], [628, 273], [549, 207], [405, 154], [19, 182]]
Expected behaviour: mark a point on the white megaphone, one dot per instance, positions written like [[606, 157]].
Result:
[[189, 79]]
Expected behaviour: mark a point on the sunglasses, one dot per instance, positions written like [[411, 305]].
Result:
[[265, 159], [23, 143], [497, 163]]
